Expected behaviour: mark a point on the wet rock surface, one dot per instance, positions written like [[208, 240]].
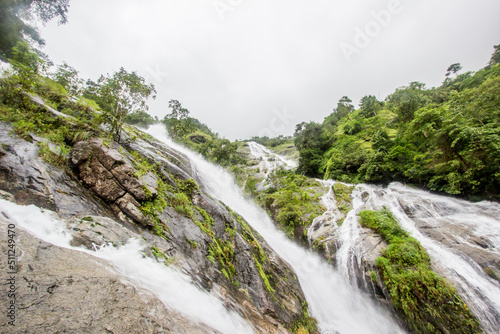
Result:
[[66, 291], [32, 181], [103, 190]]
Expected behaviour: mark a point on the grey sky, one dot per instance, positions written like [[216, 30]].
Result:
[[258, 67]]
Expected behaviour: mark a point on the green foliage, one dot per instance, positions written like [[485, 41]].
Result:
[[17, 18], [192, 243], [178, 122], [304, 324], [68, 78], [119, 95], [384, 223], [271, 142], [495, 58], [311, 144], [197, 136], [444, 138], [140, 118], [27, 65], [160, 255], [292, 199], [370, 105], [343, 197], [427, 303], [57, 156]]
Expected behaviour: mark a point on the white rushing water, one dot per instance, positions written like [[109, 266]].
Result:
[[339, 307], [458, 223], [269, 161], [173, 288]]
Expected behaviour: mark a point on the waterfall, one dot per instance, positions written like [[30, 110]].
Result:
[[339, 307], [173, 288], [450, 230], [268, 161]]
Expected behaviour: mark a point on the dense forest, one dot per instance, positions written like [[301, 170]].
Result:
[[445, 138]]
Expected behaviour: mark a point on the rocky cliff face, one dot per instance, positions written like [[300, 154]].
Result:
[[149, 189]]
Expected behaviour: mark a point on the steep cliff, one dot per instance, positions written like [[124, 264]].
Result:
[[149, 190]]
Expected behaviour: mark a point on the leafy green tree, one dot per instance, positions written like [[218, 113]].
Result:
[[27, 66], [119, 95], [140, 118], [178, 121], [370, 105], [407, 100], [311, 146], [453, 69], [68, 77], [344, 108], [495, 58], [16, 17]]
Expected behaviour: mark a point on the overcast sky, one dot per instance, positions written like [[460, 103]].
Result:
[[258, 67]]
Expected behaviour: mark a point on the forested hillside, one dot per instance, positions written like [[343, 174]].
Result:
[[446, 138]]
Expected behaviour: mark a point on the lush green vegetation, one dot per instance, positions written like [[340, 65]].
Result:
[[444, 138], [343, 198], [305, 324], [271, 142], [17, 18], [293, 201], [199, 137], [426, 301]]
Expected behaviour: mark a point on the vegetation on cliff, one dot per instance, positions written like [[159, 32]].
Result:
[[426, 301], [443, 138]]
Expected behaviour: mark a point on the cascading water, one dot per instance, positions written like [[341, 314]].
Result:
[[450, 230], [339, 307], [268, 161], [170, 286]]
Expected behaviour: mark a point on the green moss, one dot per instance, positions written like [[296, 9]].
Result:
[[57, 156], [343, 197], [427, 303], [264, 276], [373, 276], [192, 243], [188, 186], [304, 323], [293, 200], [490, 272], [154, 207], [160, 255]]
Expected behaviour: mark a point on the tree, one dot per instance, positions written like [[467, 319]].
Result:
[[370, 105], [495, 58], [16, 17], [27, 65], [178, 121], [311, 146], [119, 95], [453, 68], [68, 77], [406, 100]]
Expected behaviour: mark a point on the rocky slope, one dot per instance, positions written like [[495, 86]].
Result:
[[147, 188]]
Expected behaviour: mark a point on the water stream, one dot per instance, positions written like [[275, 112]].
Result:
[[339, 307], [456, 234], [173, 288]]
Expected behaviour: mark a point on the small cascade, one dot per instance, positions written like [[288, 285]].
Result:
[[269, 161], [350, 253], [457, 234]]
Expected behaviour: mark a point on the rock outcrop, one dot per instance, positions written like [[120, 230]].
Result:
[[106, 182]]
